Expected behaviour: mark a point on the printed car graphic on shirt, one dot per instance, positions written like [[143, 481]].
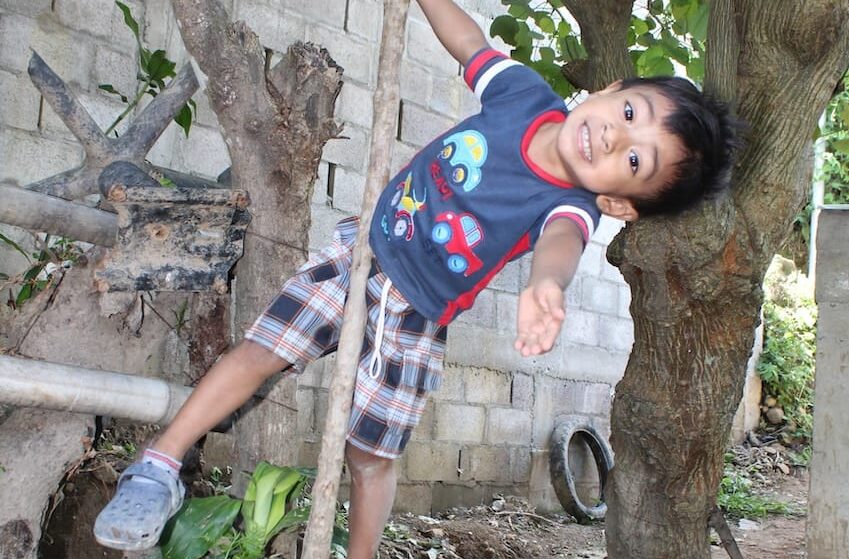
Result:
[[459, 234], [466, 151], [406, 205]]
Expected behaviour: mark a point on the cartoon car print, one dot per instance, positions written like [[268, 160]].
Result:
[[459, 234], [466, 152], [406, 205]]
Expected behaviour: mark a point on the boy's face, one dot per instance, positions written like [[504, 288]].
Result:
[[614, 144]]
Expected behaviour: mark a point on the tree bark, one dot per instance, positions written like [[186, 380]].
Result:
[[386, 96], [275, 126], [696, 279]]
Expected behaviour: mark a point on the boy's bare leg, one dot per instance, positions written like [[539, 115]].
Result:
[[372, 495], [227, 385]]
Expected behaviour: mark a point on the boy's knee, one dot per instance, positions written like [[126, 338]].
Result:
[[259, 358], [363, 465]]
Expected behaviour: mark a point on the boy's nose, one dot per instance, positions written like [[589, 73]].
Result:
[[612, 136]]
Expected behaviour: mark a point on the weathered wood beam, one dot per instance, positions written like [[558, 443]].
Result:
[[49, 214], [386, 96]]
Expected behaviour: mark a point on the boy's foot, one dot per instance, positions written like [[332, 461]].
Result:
[[147, 496]]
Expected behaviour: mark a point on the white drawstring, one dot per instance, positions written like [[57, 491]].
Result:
[[376, 365]]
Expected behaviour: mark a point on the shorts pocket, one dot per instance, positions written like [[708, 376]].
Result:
[[421, 371]]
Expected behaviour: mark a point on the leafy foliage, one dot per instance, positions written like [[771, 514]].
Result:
[[737, 497], [664, 34], [154, 69], [55, 253], [786, 365]]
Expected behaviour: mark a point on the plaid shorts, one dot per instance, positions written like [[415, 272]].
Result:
[[303, 323]]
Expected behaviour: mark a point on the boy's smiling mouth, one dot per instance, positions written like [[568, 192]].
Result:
[[584, 142]]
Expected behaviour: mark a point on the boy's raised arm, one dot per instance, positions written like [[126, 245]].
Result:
[[457, 32], [541, 311]]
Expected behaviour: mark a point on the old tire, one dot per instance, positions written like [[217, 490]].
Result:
[[562, 477]]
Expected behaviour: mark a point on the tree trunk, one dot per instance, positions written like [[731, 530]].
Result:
[[696, 279], [275, 124]]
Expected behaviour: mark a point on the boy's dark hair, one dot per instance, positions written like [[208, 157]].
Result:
[[708, 133]]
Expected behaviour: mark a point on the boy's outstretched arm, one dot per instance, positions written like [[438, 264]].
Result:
[[541, 305], [457, 32]]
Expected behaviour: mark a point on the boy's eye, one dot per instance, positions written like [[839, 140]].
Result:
[[629, 112], [634, 162]]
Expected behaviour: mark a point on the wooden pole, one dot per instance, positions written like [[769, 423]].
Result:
[[386, 98]]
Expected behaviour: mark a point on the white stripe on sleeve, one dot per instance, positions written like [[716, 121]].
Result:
[[493, 71], [581, 213]]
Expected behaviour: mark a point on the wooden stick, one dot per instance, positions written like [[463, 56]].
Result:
[[386, 97], [718, 523]]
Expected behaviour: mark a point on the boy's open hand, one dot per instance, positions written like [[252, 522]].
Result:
[[540, 316]]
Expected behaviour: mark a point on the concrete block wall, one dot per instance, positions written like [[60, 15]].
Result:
[[487, 429]]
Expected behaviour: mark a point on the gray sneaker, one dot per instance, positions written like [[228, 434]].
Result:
[[136, 515]]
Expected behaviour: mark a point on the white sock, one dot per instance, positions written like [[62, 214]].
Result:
[[160, 460]]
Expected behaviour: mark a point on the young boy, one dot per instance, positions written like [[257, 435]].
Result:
[[496, 186]]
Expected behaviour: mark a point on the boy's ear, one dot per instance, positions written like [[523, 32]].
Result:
[[616, 206]]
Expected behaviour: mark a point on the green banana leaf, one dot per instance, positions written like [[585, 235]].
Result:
[[197, 526]]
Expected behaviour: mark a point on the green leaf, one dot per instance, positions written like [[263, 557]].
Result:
[[197, 526], [23, 295], [159, 67], [841, 146], [184, 119], [545, 24], [15, 246], [696, 70], [547, 54], [129, 20], [639, 25], [107, 87], [505, 27], [519, 10]]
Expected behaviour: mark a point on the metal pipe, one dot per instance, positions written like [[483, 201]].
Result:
[[32, 383]]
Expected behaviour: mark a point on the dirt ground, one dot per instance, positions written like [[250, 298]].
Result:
[[507, 528], [515, 532]]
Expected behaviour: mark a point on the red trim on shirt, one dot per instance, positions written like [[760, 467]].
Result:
[[477, 63], [579, 221], [467, 299], [544, 118]]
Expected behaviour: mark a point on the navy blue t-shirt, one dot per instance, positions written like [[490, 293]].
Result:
[[472, 200]]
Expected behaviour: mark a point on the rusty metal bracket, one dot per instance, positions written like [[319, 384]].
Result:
[[170, 238]]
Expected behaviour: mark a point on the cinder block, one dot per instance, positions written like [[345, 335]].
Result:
[[485, 463], [19, 101], [164, 153], [319, 190], [326, 13], [446, 94], [324, 220], [355, 105], [25, 158], [522, 391], [218, 451], [413, 497], [573, 294], [277, 28], [607, 228], [600, 296], [520, 464], [458, 422], [424, 430], [618, 334], [540, 491], [322, 399], [432, 461], [508, 279], [488, 386], [590, 264], [103, 110], [581, 362], [357, 56], [425, 48], [508, 426], [469, 104], [308, 452], [13, 262], [15, 41], [449, 495], [505, 307], [453, 385], [348, 189], [305, 398], [204, 152], [609, 271], [416, 83], [832, 238], [465, 347], [580, 327], [482, 313], [401, 155], [420, 126], [624, 301], [349, 151], [101, 18], [116, 68], [365, 18], [30, 8]]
